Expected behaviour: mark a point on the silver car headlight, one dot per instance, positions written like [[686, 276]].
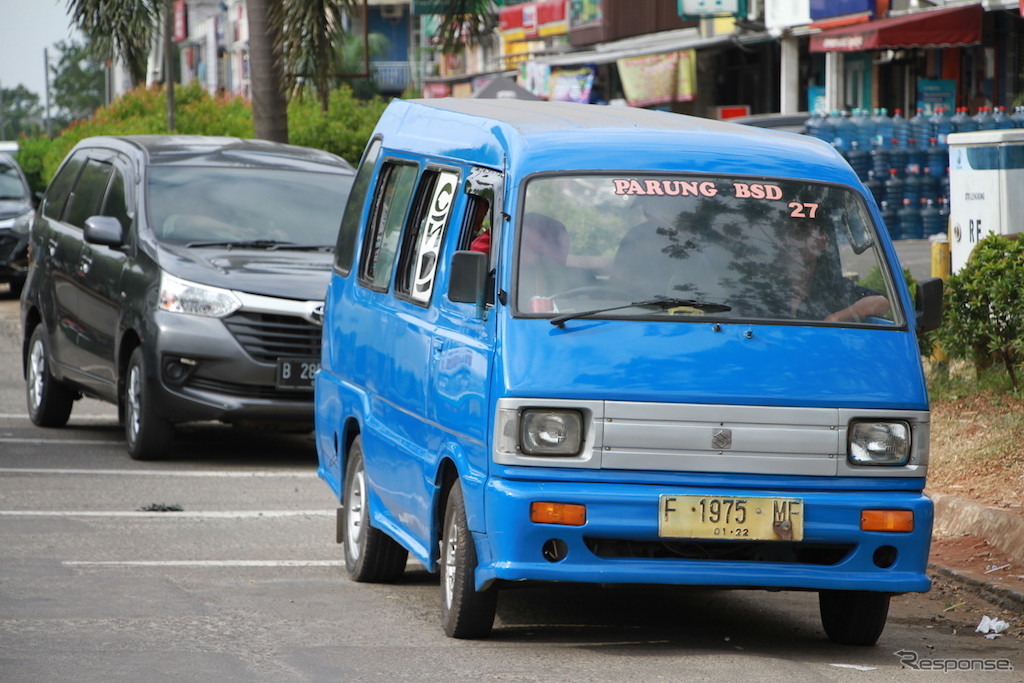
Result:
[[878, 443], [182, 296], [545, 431]]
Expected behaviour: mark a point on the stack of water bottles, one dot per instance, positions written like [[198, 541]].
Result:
[[904, 161]]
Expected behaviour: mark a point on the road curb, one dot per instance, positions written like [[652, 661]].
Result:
[[993, 592], [955, 516]]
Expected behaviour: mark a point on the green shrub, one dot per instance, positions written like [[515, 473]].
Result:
[[30, 155], [984, 320], [344, 129]]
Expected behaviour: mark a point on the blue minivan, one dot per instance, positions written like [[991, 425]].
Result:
[[595, 344]]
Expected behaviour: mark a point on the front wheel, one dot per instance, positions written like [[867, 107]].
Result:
[[465, 611], [147, 433], [371, 556], [853, 617], [49, 401]]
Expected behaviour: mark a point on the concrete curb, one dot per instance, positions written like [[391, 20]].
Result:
[[1001, 529]]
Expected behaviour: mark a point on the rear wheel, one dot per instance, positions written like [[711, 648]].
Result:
[[853, 617], [371, 556], [49, 401], [465, 611], [147, 433]]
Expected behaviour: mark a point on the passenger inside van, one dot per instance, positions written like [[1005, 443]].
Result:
[[543, 251]]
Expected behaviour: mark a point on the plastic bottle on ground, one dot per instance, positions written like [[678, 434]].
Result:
[[876, 186], [894, 189], [898, 159], [883, 129], [891, 219], [937, 158], [931, 220], [912, 186], [1002, 121], [859, 159], [964, 122], [984, 119], [880, 162], [1018, 117], [942, 125], [920, 128]]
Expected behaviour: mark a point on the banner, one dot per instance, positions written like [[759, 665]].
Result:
[[659, 79], [571, 85]]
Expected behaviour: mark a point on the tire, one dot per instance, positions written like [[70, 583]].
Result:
[[465, 611], [49, 401], [853, 617], [148, 435], [371, 556]]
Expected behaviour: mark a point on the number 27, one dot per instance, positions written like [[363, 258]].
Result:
[[803, 210]]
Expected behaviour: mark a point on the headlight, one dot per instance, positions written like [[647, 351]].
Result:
[[878, 443], [550, 432], [182, 296]]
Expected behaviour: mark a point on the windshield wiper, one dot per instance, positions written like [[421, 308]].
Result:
[[270, 245], [662, 302]]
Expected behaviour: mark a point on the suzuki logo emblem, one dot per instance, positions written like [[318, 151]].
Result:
[[721, 439]]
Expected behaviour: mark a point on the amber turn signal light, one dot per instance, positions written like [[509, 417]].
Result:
[[886, 520], [568, 514]]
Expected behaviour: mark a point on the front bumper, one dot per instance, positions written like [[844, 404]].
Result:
[[619, 542], [13, 256], [205, 372]]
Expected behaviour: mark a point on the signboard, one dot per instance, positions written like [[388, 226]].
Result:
[[180, 21], [706, 8], [786, 13], [823, 9], [932, 94], [659, 79]]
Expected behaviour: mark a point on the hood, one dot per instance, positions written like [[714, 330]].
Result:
[[776, 365], [300, 275], [12, 208]]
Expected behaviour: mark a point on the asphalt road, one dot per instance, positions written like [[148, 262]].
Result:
[[244, 583]]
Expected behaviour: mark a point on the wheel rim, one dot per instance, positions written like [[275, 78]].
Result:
[[354, 512], [133, 403], [36, 374], [451, 548]]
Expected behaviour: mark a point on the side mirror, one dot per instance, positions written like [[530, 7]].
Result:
[[928, 304], [105, 230], [467, 282]]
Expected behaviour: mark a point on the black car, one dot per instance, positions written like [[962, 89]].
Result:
[[16, 207], [181, 278]]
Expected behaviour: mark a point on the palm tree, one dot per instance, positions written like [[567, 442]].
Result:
[[288, 39]]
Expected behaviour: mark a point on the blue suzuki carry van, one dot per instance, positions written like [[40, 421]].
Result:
[[598, 344]]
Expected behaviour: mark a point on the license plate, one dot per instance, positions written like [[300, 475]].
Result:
[[731, 519], [296, 373]]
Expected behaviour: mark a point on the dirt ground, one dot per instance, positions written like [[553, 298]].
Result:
[[977, 453]]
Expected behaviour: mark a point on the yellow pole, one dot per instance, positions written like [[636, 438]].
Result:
[[941, 268]]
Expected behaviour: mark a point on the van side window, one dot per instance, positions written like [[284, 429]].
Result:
[[344, 251], [115, 204], [422, 245], [391, 205], [88, 193]]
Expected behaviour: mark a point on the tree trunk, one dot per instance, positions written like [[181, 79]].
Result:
[[269, 106], [168, 45]]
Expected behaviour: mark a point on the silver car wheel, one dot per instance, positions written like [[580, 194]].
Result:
[[354, 501], [36, 374], [133, 404], [451, 548]]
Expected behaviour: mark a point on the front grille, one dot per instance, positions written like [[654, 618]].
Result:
[[825, 554], [252, 391], [268, 337], [8, 242]]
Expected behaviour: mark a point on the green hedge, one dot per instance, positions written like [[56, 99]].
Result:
[[344, 129]]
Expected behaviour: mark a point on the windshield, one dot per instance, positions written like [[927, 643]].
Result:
[[699, 247], [192, 205], [11, 184]]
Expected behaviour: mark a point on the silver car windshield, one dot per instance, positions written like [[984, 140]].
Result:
[[699, 247], [197, 205]]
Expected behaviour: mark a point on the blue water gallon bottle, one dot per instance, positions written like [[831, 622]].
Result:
[[920, 128], [942, 126], [944, 212], [859, 159], [937, 158], [964, 122], [1002, 120], [910, 221], [846, 132], [880, 162], [883, 129], [917, 158], [865, 128], [898, 159], [929, 185], [894, 189], [944, 187], [931, 220], [875, 186], [912, 186], [891, 218], [1018, 117], [900, 130], [984, 119]]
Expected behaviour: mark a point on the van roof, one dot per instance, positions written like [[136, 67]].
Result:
[[526, 136]]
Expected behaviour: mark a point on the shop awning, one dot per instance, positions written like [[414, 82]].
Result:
[[948, 27]]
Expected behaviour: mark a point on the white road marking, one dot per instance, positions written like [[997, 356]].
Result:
[[206, 563], [74, 419], [241, 474], [197, 514]]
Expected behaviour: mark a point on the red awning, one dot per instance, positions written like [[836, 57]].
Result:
[[950, 27]]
